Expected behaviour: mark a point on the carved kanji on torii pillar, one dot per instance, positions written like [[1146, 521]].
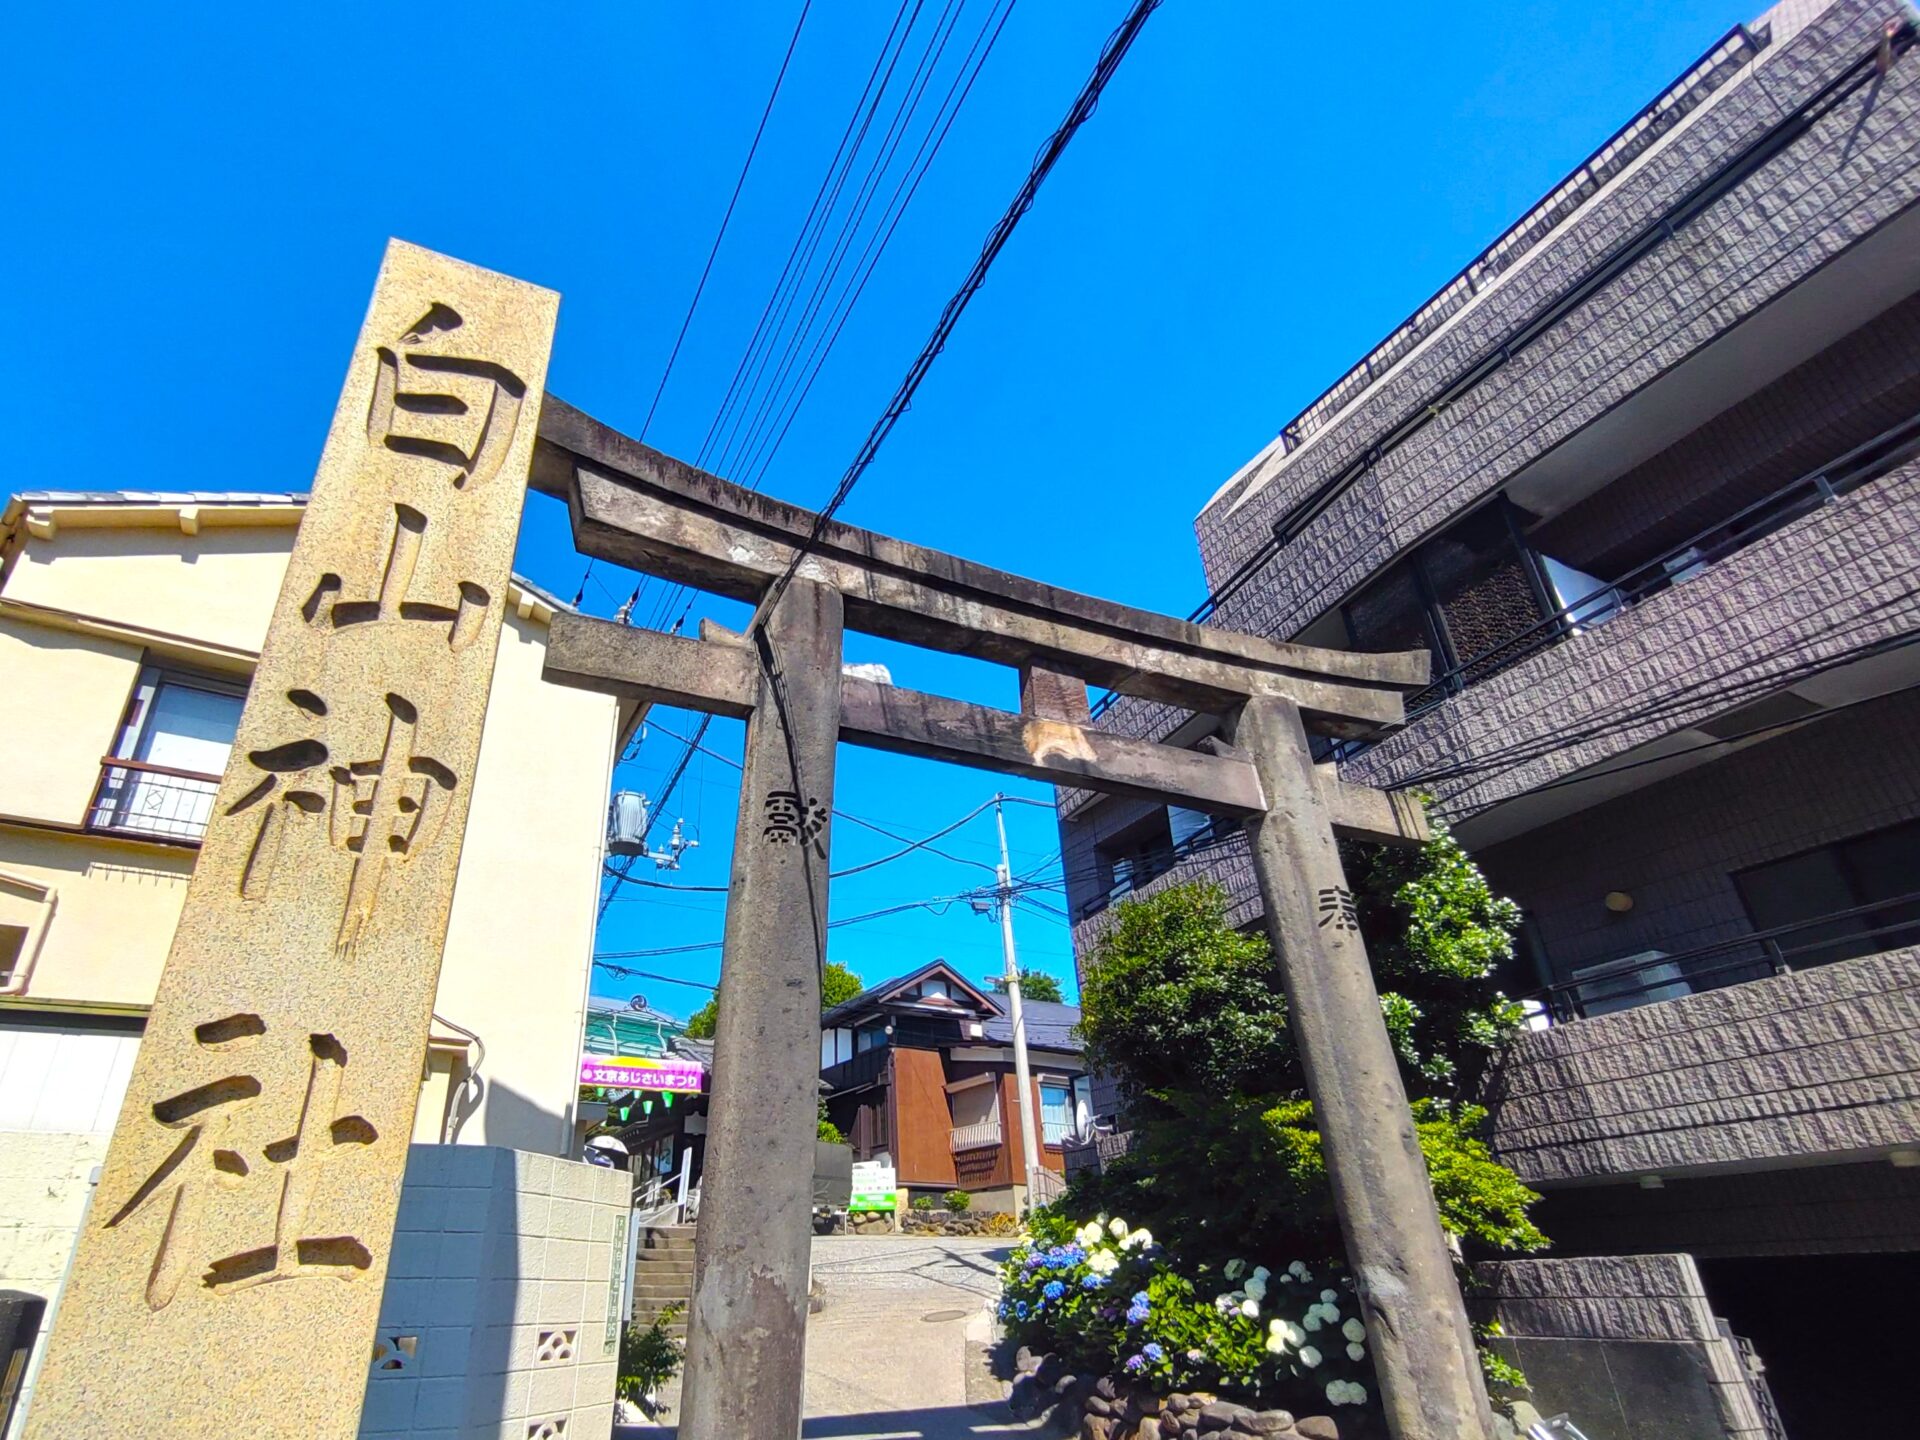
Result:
[[641, 508]]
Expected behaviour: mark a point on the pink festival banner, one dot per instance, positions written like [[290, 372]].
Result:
[[642, 1073]]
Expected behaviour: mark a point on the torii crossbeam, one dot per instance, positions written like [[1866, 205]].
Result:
[[641, 508]]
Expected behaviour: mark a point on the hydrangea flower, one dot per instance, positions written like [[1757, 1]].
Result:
[[1136, 1363], [1356, 1351], [1346, 1392], [1235, 1268], [1054, 1290], [1117, 1228], [1299, 1271], [1020, 1309], [1137, 1240], [1091, 1282], [1136, 1314], [1103, 1262], [1250, 1308], [1330, 1296], [1354, 1330], [1309, 1356], [1153, 1352], [1256, 1287], [1194, 1357]]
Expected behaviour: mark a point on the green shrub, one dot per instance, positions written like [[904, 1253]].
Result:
[[649, 1356], [957, 1201], [922, 1202]]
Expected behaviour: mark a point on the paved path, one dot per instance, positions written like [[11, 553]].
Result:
[[898, 1344]]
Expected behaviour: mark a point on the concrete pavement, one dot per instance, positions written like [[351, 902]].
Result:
[[897, 1350]]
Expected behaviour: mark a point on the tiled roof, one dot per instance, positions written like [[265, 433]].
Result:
[[1050, 1026]]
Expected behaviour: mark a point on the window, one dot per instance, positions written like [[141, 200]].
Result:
[[870, 1035], [168, 760], [1871, 874], [1472, 596], [1134, 856], [1056, 1111]]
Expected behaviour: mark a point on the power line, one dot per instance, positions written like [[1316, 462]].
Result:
[[1082, 109], [726, 219]]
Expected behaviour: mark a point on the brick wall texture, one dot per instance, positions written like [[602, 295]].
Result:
[[1820, 1064], [1850, 172]]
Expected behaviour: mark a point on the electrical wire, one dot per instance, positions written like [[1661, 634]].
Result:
[[725, 220], [1082, 109]]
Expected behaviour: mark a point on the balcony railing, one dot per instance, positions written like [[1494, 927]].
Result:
[[980, 1136], [154, 801], [1820, 940]]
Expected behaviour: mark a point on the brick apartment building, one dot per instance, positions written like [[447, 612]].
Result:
[[1642, 479]]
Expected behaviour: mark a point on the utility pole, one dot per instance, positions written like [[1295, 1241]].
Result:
[[1029, 1135]]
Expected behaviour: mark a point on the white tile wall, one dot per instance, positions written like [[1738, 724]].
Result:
[[502, 1276]]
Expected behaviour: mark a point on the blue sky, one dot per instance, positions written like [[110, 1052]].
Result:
[[197, 200]]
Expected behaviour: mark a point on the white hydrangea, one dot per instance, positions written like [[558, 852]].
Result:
[[1356, 1351], [1103, 1262], [1234, 1269], [1311, 1320], [1137, 1240], [1330, 1296], [1354, 1331], [1298, 1270], [1286, 1334], [1117, 1228], [1256, 1287], [1309, 1356], [1088, 1234], [1262, 1274], [1250, 1308], [1346, 1392]]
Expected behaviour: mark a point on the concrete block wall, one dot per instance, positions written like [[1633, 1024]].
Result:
[[1850, 173], [1628, 1346], [1675, 848], [500, 1319], [1820, 1064], [1811, 593]]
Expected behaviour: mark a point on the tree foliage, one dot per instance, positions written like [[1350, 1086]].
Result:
[[838, 985], [1188, 1014], [1034, 985]]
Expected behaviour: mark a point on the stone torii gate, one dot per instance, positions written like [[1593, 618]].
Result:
[[231, 1276], [638, 507]]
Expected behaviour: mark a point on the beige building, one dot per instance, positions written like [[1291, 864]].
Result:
[[129, 625]]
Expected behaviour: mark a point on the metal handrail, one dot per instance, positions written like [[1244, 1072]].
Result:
[[155, 802], [1773, 511], [1564, 999]]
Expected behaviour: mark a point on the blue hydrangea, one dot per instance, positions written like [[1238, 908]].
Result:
[[1140, 1298], [1020, 1309], [1092, 1282], [1054, 1290], [1136, 1315], [1136, 1363], [1153, 1352]]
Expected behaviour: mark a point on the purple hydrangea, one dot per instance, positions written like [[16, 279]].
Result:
[[1136, 1315], [1136, 1363], [1153, 1352]]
